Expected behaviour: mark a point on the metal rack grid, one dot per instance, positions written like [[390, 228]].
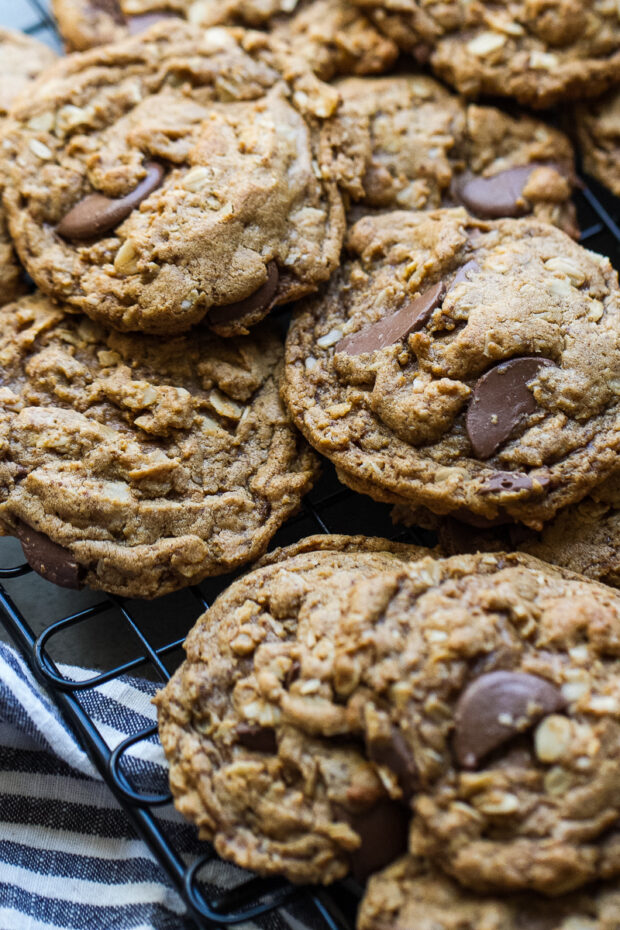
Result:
[[157, 641]]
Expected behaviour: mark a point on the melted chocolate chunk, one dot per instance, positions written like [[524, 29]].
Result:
[[96, 214], [501, 400], [394, 754], [48, 559], [500, 195], [385, 332], [497, 706], [259, 739]]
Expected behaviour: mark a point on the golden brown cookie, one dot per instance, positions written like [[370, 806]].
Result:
[[172, 177], [466, 366], [538, 51], [139, 465], [405, 142], [597, 126]]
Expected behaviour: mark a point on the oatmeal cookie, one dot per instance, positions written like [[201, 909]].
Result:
[[405, 142], [328, 693], [466, 366], [172, 177], [139, 465], [537, 51], [597, 126], [333, 36], [277, 779], [411, 894], [21, 60]]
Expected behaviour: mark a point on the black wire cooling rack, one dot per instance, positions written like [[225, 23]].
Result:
[[152, 634]]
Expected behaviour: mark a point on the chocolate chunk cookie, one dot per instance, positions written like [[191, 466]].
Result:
[[470, 367], [411, 894], [333, 36], [407, 142], [139, 465], [21, 60], [597, 126], [328, 693], [263, 756], [173, 177], [537, 51]]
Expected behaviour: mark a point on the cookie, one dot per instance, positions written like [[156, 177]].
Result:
[[466, 366], [21, 60], [411, 893], [172, 177], [538, 51], [138, 465], [597, 127], [333, 36], [584, 537], [328, 694], [277, 779], [405, 142]]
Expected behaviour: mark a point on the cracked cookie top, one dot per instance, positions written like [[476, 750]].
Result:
[[471, 367], [329, 695], [139, 465], [333, 36], [172, 177], [537, 51], [405, 142]]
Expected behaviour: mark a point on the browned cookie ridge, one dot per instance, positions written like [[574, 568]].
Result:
[[537, 51], [138, 465], [333, 36], [178, 172], [466, 366], [329, 692], [405, 142]]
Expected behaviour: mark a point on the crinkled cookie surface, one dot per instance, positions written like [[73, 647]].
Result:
[[405, 142], [175, 176], [411, 894], [597, 126], [21, 60], [470, 367], [537, 51], [139, 465], [327, 694], [333, 36]]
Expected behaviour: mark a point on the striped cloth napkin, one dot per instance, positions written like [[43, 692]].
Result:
[[69, 858]]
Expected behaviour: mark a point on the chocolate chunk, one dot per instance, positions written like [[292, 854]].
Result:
[[499, 195], [465, 272], [385, 332], [259, 300], [383, 831], [394, 753], [495, 707], [500, 402], [48, 559], [259, 739], [96, 214], [143, 21], [507, 481]]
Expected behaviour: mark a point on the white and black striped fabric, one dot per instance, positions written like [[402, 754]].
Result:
[[69, 857]]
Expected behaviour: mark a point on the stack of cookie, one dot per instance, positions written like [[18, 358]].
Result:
[[188, 168]]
